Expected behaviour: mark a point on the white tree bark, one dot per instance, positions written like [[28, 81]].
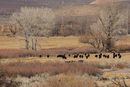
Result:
[[110, 24], [32, 22]]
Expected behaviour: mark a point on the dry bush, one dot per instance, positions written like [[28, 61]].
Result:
[[66, 32], [29, 69], [122, 48], [3, 79], [111, 65], [119, 82], [15, 53], [121, 65], [70, 81]]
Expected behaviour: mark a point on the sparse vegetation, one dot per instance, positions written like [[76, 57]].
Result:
[[53, 68], [44, 47], [70, 80], [32, 23], [110, 25]]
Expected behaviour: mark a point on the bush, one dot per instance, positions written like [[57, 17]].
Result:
[[122, 48], [15, 53], [29, 69], [110, 65], [70, 81]]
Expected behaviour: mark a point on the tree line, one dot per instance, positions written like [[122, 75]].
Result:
[[101, 30]]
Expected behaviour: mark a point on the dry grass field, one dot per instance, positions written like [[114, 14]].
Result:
[[52, 42], [73, 42]]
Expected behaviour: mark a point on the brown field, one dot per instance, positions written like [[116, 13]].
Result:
[[54, 42], [71, 42], [51, 42], [125, 57]]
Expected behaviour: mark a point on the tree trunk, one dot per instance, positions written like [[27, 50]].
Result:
[[109, 44], [35, 43], [32, 44], [27, 44]]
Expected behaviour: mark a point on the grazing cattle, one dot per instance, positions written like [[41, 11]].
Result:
[[80, 56], [107, 56], [104, 56], [40, 56], [100, 55], [87, 56], [69, 55], [63, 56], [75, 56], [96, 56], [114, 55], [48, 56], [119, 55]]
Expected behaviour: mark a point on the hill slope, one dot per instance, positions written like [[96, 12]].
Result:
[[47, 3]]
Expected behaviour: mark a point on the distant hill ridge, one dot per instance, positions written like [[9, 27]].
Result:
[[62, 7], [47, 3]]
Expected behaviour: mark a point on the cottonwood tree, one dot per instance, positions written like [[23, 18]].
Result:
[[33, 22], [12, 29], [110, 24]]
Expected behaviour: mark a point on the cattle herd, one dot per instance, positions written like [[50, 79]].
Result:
[[101, 55]]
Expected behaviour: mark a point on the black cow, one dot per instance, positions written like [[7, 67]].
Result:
[[114, 55], [40, 56], [100, 55], [87, 56], [96, 56], [119, 55], [80, 56], [48, 56], [76, 55], [63, 56]]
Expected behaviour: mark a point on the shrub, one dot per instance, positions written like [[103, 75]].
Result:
[[29, 69], [70, 80], [122, 48], [15, 53], [119, 82]]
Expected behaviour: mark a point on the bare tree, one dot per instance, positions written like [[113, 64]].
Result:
[[110, 24], [119, 82], [32, 22], [12, 29]]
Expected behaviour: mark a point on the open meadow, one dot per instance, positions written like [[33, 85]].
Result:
[[64, 43], [49, 71]]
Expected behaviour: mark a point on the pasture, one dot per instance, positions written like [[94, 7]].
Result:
[[52, 42], [69, 43], [60, 68]]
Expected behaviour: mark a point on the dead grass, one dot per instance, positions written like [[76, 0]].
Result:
[[105, 62], [29, 69], [107, 74], [122, 48], [70, 80], [52, 42], [45, 43], [15, 53]]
